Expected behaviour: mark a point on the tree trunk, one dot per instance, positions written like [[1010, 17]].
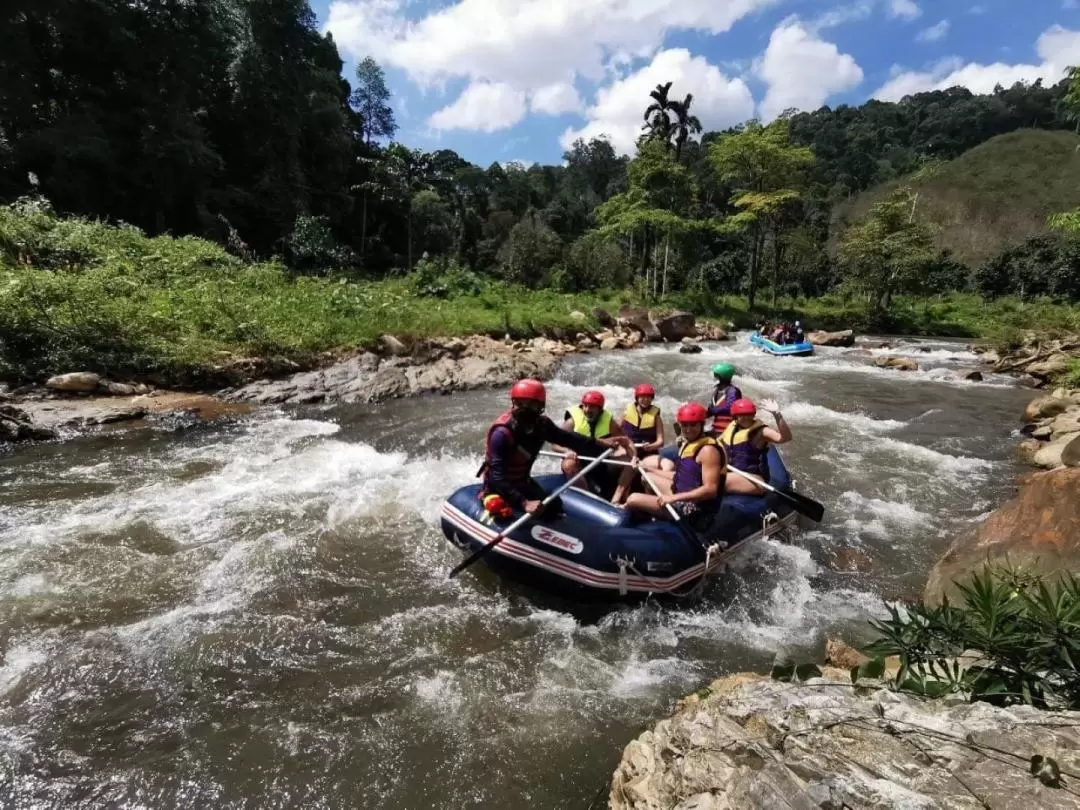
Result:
[[667, 250], [408, 240], [755, 264], [363, 227], [776, 257]]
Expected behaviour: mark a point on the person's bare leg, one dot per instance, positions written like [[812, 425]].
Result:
[[626, 480], [570, 468], [737, 485]]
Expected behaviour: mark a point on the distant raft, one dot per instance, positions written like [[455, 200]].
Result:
[[596, 551], [803, 349]]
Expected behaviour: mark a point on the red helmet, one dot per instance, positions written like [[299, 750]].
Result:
[[691, 412], [593, 398], [743, 407], [644, 390], [529, 389]]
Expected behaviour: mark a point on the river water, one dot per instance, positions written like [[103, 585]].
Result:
[[256, 614]]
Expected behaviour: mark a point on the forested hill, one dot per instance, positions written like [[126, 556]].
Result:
[[998, 194], [229, 119]]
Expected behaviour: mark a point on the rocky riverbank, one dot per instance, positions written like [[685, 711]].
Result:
[[746, 741], [398, 367], [1052, 428], [1039, 360]]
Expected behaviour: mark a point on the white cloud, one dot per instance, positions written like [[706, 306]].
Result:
[[842, 15], [718, 100], [1068, 5], [977, 9], [1057, 48], [555, 99], [517, 163], [935, 33], [528, 44], [904, 9], [802, 70], [484, 106]]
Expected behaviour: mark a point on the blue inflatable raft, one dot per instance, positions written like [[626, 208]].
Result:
[[803, 349], [596, 550]]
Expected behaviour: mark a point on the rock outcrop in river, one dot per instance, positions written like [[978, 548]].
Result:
[[430, 366], [1038, 530], [1040, 358], [1053, 430], [749, 742]]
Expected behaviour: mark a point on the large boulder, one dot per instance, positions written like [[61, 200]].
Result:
[[638, 319], [1049, 455], [1070, 454], [1039, 529], [1042, 407], [899, 363], [1049, 368], [80, 382], [16, 425], [843, 339], [749, 742], [603, 317], [676, 326]]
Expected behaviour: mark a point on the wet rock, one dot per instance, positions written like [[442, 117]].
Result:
[[1070, 455], [366, 377], [1038, 530], [1044, 432], [16, 425], [609, 343], [638, 319], [898, 363], [676, 326], [711, 332], [1049, 455], [748, 742], [690, 348], [74, 382], [1050, 367], [1041, 407], [820, 338], [603, 317], [843, 655], [120, 389], [971, 375], [393, 346], [1026, 450], [991, 357]]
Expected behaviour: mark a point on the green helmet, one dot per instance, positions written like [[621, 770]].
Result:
[[723, 371]]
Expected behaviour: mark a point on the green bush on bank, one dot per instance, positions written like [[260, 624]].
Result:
[[79, 294]]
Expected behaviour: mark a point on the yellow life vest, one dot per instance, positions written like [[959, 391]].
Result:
[[734, 435], [647, 419], [691, 449], [602, 428]]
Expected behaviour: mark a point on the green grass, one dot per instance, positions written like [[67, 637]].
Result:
[[995, 195], [80, 295]]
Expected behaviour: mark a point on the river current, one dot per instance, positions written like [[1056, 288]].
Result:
[[256, 614]]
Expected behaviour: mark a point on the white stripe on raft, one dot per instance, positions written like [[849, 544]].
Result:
[[590, 576]]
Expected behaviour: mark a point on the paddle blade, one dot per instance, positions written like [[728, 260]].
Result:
[[804, 505], [476, 555]]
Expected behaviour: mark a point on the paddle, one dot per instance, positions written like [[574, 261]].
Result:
[[802, 504], [521, 521], [687, 532]]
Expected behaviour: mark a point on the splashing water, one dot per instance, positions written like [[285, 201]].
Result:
[[261, 609]]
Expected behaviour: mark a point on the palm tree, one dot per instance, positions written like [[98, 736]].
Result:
[[685, 124], [657, 120]]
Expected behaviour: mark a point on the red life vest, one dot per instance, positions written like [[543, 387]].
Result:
[[520, 463]]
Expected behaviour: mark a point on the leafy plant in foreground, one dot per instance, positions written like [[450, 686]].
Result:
[[1015, 639]]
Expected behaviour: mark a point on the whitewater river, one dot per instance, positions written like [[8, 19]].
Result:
[[257, 614]]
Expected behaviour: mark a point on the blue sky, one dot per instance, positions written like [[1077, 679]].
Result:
[[502, 80]]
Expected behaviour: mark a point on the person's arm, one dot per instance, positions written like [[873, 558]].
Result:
[[712, 463], [568, 426], [781, 434], [618, 433], [582, 445], [498, 458]]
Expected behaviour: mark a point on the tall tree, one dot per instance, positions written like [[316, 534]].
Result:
[[657, 121], [685, 123], [370, 98], [887, 252], [766, 171]]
